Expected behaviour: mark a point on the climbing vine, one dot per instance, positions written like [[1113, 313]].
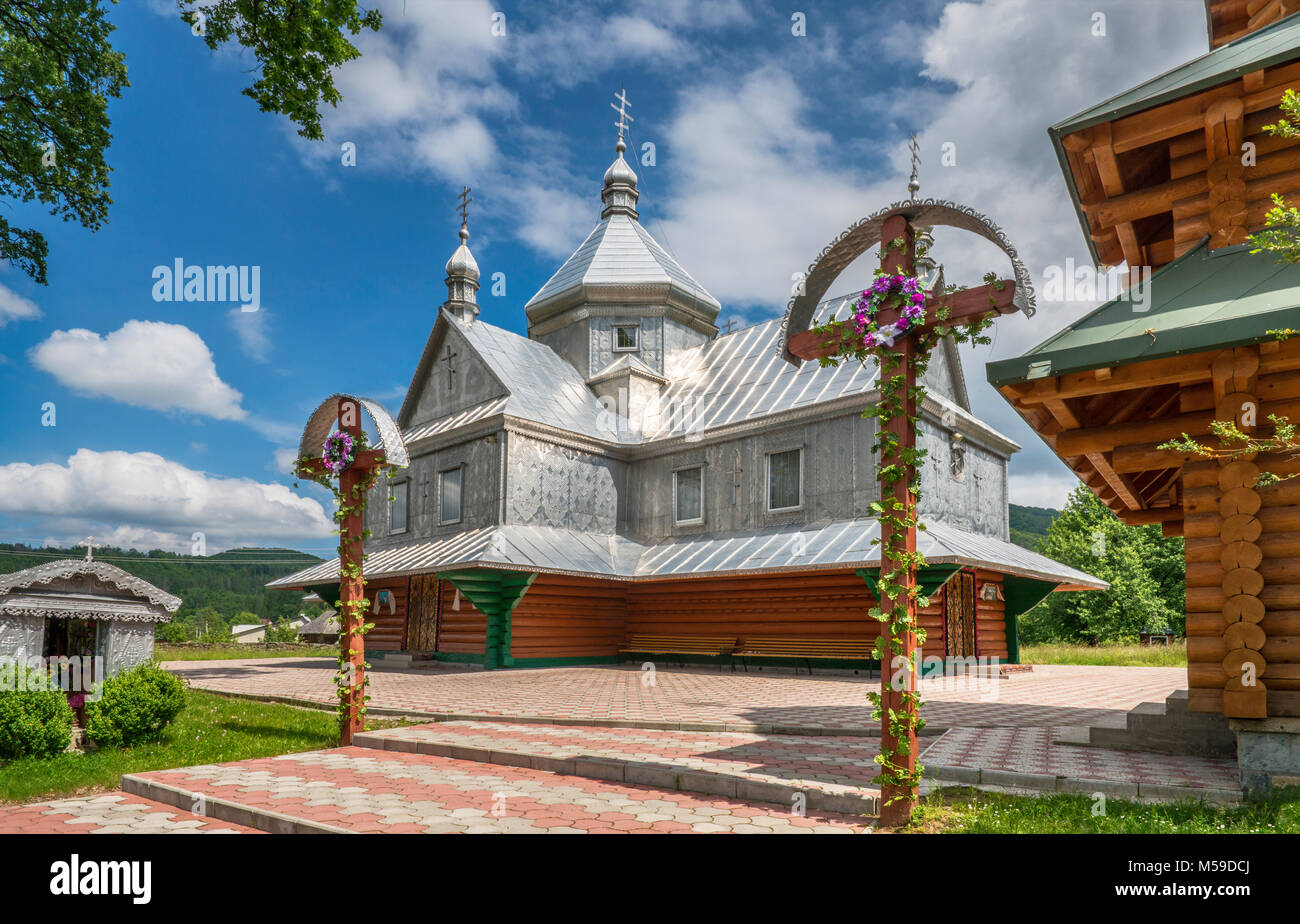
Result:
[[338, 454], [863, 338]]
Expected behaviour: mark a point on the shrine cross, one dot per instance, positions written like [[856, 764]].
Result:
[[963, 307]]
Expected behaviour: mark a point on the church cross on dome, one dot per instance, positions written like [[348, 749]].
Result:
[[624, 119]]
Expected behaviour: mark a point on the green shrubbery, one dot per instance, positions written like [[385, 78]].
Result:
[[135, 706], [34, 721]]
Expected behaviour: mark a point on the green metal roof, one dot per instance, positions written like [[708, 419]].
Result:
[[1265, 47], [1204, 300]]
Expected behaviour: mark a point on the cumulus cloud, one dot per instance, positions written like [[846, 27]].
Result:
[[150, 364], [1041, 489], [143, 500], [14, 307], [251, 329]]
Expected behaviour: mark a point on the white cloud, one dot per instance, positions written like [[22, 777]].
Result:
[[283, 459], [1040, 489], [146, 501], [14, 307], [151, 364], [251, 329]]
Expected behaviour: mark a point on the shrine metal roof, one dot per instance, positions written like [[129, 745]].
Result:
[[619, 252], [833, 545], [1206, 299]]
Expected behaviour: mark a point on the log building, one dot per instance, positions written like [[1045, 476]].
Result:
[[1174, 175]]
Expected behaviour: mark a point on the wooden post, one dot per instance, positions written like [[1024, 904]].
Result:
[[352, 589], [896, 802]]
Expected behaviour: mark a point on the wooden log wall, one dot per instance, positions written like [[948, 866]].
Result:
[[1243, 583], [463, 629], [569, 617], [827, 605], [389, 633], [990, 619]]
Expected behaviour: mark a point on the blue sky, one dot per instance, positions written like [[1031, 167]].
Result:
[[175, 417]]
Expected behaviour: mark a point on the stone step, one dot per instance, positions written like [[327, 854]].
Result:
[[1168, 728]]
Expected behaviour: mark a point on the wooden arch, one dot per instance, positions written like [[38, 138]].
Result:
[[865, 234]]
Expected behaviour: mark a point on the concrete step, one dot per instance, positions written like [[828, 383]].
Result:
[[1168, 728]]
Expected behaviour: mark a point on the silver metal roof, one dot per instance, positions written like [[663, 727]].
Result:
[[620, 253], [834, 545]]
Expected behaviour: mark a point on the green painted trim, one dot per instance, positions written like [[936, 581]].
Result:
[[327, 592], [458, 657], [564, 662], [495, 594], [930, 578], [1022, 595]]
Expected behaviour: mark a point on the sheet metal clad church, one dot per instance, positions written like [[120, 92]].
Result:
[[626, 469]]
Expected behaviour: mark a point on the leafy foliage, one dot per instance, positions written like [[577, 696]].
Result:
[[1281, 233], [57, 73], [297, 45], [1144, 569], [35, 721], [134, 706]]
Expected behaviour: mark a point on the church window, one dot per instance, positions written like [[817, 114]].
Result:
[[784, 480], [397, 508], [688, 495], [625, 337], [449, 495]]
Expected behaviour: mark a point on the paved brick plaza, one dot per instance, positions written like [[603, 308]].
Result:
[[599, 750], [1047, 697], [368, 791]]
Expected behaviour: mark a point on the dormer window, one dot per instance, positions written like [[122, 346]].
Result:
[[626, 338]]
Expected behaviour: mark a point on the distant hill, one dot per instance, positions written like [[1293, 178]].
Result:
[[1029, 524], [229, 582]]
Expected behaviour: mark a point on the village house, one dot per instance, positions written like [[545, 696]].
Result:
[[629, 479]]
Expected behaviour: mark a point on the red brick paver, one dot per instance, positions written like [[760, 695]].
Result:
[[1057, 695], [829, 763], [370, 791], [111, 813]]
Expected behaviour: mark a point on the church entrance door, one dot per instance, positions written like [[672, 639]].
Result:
[[959, 615], [422, 613]]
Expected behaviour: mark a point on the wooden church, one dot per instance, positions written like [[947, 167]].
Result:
[[628, 481], [1174, 175]]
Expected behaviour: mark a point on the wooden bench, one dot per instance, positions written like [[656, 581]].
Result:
[[707, 645], [805, 649]]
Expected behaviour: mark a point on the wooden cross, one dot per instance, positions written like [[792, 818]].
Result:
[[621, 109], [352, 607], [90, 547], [963, 307], [463, 207], [734, 472], [447, 361]]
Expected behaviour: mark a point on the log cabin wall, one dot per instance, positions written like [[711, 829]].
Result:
[[389, 632], [569, 617], [826, 605], [462, 628], [990, 619]]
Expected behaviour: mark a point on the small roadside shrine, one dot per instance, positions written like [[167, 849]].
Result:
[[80, 609], [895, 324]]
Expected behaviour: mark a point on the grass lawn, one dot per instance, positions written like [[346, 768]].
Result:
[[211, 729], [1173, 655], [195, 652], [969, 811]]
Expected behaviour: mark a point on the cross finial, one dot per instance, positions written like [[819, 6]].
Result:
[[463, 207], [90, 547], [914, 184], [624, 120]]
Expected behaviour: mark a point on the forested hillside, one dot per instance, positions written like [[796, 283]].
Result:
[[216, 589], [1029, 524]]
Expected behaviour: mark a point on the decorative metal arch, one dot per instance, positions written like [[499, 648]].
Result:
[[861, 236], [322, 422]]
